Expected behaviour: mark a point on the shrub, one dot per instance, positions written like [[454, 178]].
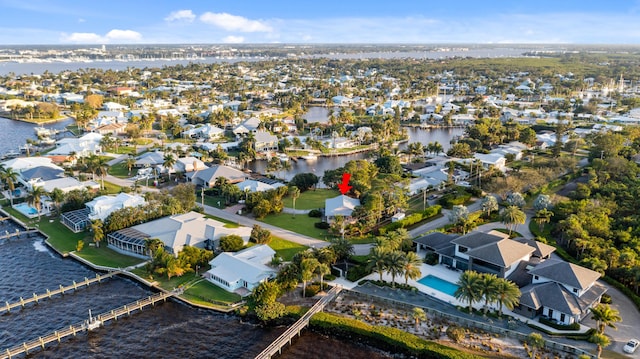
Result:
[[315, 213], [329, 277], [553, 324], [322, 225], [357, 272], [455, 333], [431, 258], [231, 243], [312, 289], [606, 299], [411, 219]]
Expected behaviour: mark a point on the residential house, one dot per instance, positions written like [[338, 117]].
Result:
[[496, 160], [251, 186], [150, 159], [249, 125], [188, 164], [207, 177], [207, 131], [84, 146], [99, 208], [188, 229], [265, 142], [112, 128], [339, 206], [242, 271]]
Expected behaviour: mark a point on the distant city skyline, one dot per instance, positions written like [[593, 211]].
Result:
[[58, 22]]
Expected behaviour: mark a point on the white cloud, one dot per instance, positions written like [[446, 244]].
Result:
[[81, 20], [233, 39], [114, 35], [181, 15], [234, 23], [123, 35]]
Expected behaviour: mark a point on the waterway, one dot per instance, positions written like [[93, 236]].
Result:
[[319, 166], [167, 330], [14, 134]]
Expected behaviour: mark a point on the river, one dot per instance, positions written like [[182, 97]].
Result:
[[14, 134], [319, 166], [168, 330]]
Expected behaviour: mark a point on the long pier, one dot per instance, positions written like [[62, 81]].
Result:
[[61, 290], [18, 233], [73, 330], [296, 328]]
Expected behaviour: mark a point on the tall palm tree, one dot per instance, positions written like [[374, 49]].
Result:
[[488, 283], [130, 162], [507, 294], [601, 341], [10, 177], [535, 341], [377, 260], [169, 162], [34, 198], [605, 316], [307, 269], [469, 288], [395, 265], [418, 314], [295, 193], [512, 216], [412, 263], [322, 270], [102, 168], [542, 217], [57, 196], [97, 227], [151, 245]]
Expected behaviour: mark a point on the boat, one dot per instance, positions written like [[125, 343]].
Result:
[[309, 157], [93, 323], [44, 132], [283, 157]]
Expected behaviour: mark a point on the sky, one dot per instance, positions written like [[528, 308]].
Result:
[[61, 22]]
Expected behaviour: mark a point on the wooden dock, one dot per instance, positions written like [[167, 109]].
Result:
[[57, 336], [18, 234], [296, 328], [61, 290]]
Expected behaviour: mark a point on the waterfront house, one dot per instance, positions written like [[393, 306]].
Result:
[[242, 271], [84, 146], [339, 206], [207, 131], [251, 186], [188, 229], [265, 142], [99, 208]]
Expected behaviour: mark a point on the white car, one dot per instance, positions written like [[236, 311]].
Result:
[[631, 346]]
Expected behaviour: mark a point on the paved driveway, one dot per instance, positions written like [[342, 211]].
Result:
[[627, 329]]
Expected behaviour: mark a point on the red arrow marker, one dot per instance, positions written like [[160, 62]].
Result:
[[344, 186]]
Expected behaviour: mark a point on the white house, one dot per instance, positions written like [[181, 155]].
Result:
[[241, 271], [101, 207], [339, 206], [257, 186], [84, 146], [492, 159]]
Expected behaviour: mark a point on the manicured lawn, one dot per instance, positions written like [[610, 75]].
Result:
[[205, 292], [302, 224], [212, 201], [107, 257], [311, 199], [120, 170], [285, 249], [111, 188]]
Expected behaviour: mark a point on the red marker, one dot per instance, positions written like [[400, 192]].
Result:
[[344, 186]]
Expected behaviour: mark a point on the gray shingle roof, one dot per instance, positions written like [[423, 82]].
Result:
[[436, 240], [479, 239], [502, 253], [542, 249], [43, 172], [566, 273]]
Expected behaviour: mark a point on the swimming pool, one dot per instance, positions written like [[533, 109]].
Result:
[[438, 284], [26, 209]]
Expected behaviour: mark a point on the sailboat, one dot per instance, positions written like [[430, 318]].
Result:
[[93, 323]]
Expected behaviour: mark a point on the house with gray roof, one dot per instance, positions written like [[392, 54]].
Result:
[[207, 177], [560, 291], [339, 206], [242, 271], [265, 142]]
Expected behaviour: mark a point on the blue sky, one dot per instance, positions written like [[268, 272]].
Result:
[[328, 21]]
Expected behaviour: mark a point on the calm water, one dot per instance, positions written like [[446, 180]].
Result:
[[14, 134], [168, 330], [319, 166]]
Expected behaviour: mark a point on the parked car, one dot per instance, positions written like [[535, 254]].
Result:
[[631, 346]]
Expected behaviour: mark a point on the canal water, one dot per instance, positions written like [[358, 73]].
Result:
[[168, 330], [14, 134]]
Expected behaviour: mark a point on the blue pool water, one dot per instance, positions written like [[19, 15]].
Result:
[[438, 284], [26, 209]]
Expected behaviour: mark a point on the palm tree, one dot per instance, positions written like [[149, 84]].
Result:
[[102, 168], [377, 260], [295, 193], [469, 288], [488, 284], [307, 269], [605, 316], [507, 293], [601, 341], [169, 162], [512, 216], [322, 270], [34, 198], [97, 227], [10, 177], [412, 263], [130, 162], [535, 341], [57, 196], [395, 265], [542, 217], [418, 314], [151, 245]]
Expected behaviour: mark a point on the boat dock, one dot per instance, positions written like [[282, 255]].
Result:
[[61, 290], [296, 328], [73, 330], [18, 233]]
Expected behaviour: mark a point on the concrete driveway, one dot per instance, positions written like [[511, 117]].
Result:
[[629, 328]]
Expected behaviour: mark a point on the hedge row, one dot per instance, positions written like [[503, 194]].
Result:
[[386, 338], [412, 219]]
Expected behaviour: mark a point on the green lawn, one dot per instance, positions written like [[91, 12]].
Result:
[[302, 224], [311, 199], [285, 249], [111, 188], [212, 201], [205, 292], [120, 170], [107, 257]]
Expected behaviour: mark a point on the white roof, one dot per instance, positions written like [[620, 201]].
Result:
[[257, 186], [248, 265], [101, 207], [66, 184], [23, 163], [340, 206]]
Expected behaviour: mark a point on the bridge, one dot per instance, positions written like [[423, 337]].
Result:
[[73, 330], [61, 290], [296, 328]]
